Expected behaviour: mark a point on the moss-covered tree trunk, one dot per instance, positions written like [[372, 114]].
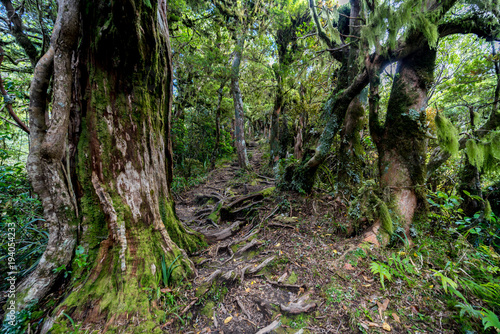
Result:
[[275, 119], [350, 151], [239, 115], [402, 143], [470, 181], [115, 96]]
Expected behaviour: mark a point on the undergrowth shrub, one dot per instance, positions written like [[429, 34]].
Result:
[[20, 220]]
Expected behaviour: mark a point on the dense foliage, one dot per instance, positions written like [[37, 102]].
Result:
[[299, 58]]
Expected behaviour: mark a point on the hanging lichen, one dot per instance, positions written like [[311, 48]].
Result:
[[447, 134], [475, 153], [495, 145]]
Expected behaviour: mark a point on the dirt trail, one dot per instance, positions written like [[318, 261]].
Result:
[[267, 276], [276, 262]]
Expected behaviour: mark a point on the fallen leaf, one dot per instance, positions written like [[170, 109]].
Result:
[[228, 319], [368, 279], [414, 309], [344, 307], [247, 289], [386, 327], [366, 285], [165, 290], [277, 245], [335, 251], [396, 317], [348, 266]]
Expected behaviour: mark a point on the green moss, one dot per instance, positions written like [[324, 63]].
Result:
[[293, 278], [487, 211], [190, 242], [208, 309], [267, 191], [385, 217], [214, 216], [447, 134]]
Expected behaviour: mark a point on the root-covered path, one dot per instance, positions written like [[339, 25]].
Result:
[[276, 263]]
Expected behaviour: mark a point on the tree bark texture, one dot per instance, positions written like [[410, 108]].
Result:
[[239, 116], [103, 166], [350, 152], [275, 120], [402, 144]]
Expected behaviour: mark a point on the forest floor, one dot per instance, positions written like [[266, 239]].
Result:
[[282, 263]]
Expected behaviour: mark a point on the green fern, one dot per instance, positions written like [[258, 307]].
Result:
[[491, 320], [382, 270]]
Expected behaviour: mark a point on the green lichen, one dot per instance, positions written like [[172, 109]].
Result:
[[495, 145], [447, 134], [475, 153]]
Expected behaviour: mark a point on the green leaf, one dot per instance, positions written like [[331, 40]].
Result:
[[491, 320]]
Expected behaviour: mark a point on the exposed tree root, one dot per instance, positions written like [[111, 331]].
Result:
[[275, 324], [243, 309], [298, 307], [213, 237], [284, 285]]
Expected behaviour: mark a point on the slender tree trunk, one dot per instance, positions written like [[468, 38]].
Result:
[[239, 117], [215, 153], [470, 181], [350, 151], [298, 151], [275, 121], [111, 111], [301, 178]]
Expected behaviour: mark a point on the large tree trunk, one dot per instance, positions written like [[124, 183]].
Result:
[[239, 117], [402, 144], [115, 138]]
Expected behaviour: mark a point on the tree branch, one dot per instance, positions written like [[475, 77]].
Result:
[[8, 102], [17, 30]]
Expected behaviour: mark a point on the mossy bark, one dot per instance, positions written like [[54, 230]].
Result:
[[122, 169], [275, 117], [350, 172], [239, 114], [470, 181], [402, 143]]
